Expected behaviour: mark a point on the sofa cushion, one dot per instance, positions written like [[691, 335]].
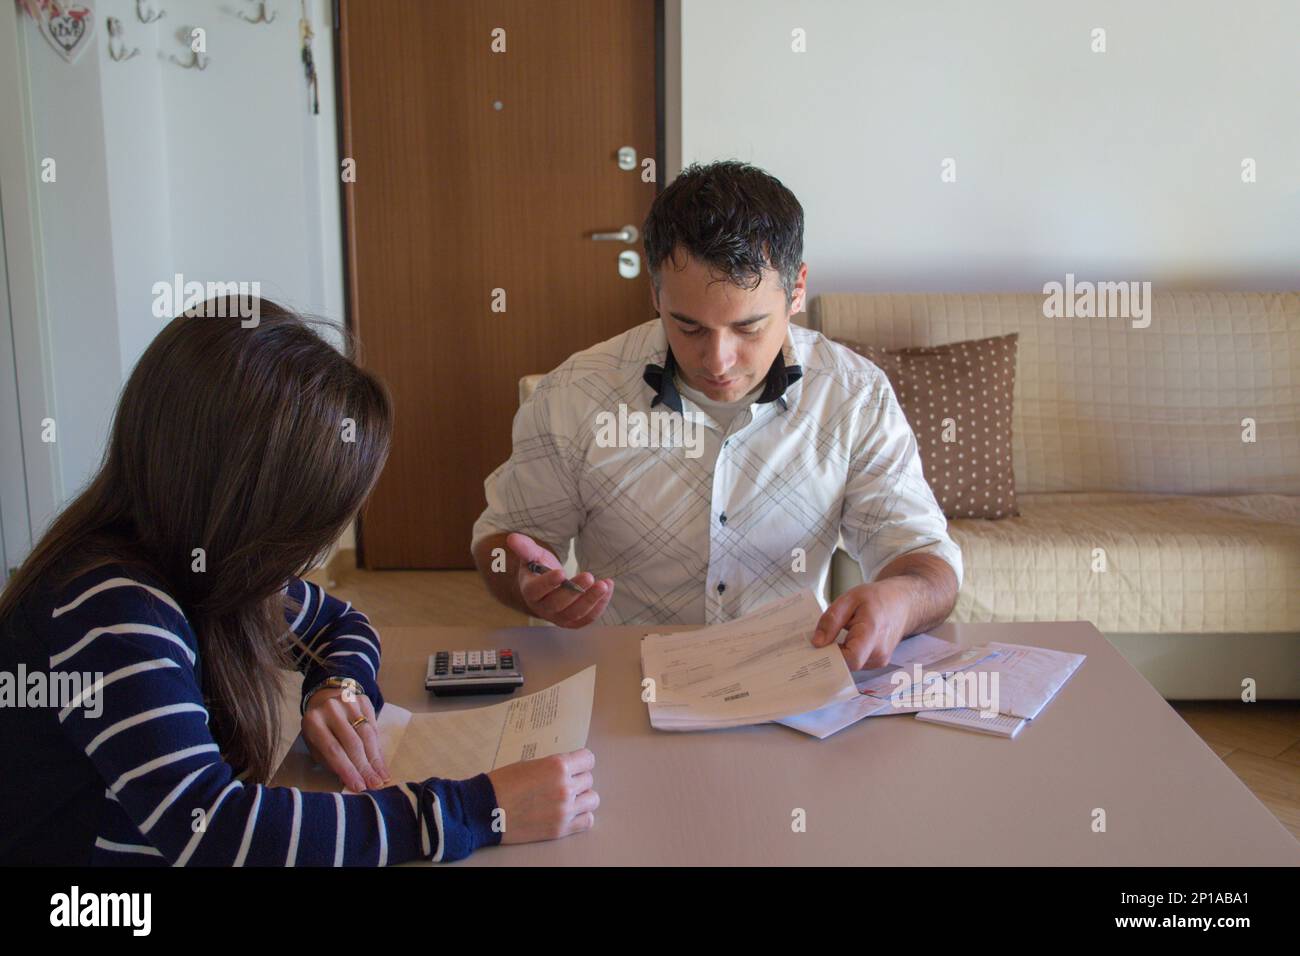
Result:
[[1173, 564], [958, 399]]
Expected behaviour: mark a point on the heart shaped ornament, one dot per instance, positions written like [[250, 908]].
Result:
[[68, 28]]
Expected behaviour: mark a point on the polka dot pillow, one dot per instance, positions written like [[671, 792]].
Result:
[[957, 398]]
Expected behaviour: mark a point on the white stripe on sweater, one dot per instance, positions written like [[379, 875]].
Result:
[[365, 622], [437, 820], [116, 583], [291, 858], [143, 717], [244, 844], [383, 832], [410, 791], [207, 824], [364, 657], [168, 800], [302, 611], [162, 761], [340, 831], [117, 675], [356, 637], [109, 845], [149, 629], [320, 604]]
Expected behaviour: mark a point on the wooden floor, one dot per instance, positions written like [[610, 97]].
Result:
[[1259, 742]]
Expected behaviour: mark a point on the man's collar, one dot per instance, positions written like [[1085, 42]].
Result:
[[785, 371]]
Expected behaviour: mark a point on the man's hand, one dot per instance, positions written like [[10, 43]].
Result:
[[875, 616], [545, 595], [911, 594]]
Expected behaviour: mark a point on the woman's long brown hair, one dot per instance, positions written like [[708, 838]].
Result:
[[256, 444]]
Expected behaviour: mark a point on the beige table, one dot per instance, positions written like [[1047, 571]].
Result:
[[887, 791]]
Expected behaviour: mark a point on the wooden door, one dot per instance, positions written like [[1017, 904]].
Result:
[[477, 171]]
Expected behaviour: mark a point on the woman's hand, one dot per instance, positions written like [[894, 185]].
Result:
[[352, 752], [547, 798]]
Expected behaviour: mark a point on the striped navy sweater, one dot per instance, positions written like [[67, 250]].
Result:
[[141, 781]]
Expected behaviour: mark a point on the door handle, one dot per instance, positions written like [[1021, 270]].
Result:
[[626, 234]]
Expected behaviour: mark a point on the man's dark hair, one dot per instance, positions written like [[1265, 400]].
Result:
[[733, 217]]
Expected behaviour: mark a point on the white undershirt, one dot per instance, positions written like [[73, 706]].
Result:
[[721, 412]]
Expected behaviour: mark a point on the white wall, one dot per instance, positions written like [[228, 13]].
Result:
[[1124, 164], [137, 150], [221, 174], [28, 469], [77, 252]]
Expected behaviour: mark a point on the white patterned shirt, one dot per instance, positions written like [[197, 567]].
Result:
[[696, 524]]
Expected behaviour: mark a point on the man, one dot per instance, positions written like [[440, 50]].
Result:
[[801, 442]]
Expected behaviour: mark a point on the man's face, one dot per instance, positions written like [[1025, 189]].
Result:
[[724, 338]]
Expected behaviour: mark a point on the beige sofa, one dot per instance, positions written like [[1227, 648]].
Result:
[[1142, 509], [1129, 457]]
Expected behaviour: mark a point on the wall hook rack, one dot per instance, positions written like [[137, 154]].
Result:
[[118, 50], [147, 15], [261, 14], [198, 61]]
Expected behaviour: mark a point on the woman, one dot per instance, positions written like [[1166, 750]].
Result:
[[170, 587]]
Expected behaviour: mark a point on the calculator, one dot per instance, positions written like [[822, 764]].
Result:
[[473, 672]]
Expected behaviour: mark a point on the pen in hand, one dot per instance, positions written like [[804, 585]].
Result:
[[536, 568]]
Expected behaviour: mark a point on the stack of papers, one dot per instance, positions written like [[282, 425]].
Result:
[[752, 670], [879, 690], [763, 668], [970, 689]]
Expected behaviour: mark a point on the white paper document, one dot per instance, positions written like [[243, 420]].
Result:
[[457, 744], [463, 743], [874, 689], [1028, 677], [757, 668], [1013, 680], [963, 718]]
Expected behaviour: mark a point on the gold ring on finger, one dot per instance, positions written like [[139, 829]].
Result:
[[359, 721]]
